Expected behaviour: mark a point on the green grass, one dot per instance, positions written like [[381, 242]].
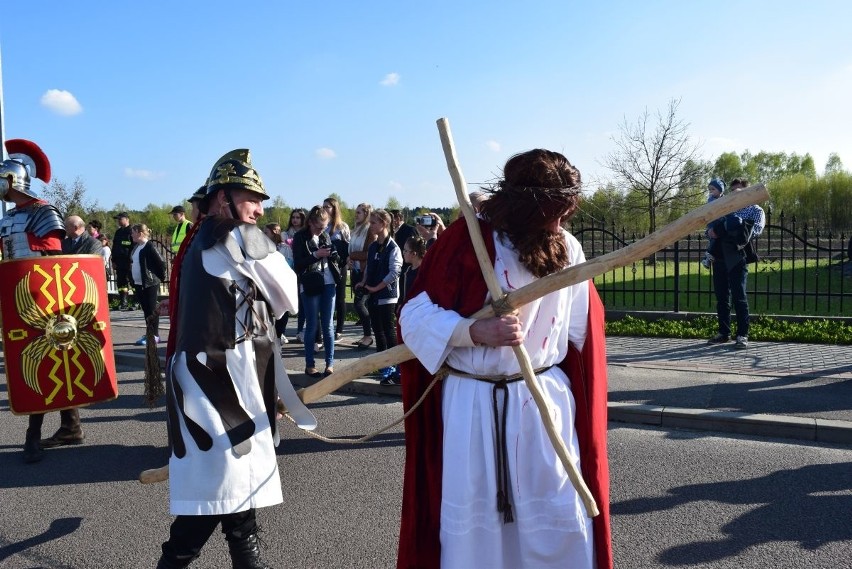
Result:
[[801, 288]]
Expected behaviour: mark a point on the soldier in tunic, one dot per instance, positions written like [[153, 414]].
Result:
[[33, 228], [226, 373]]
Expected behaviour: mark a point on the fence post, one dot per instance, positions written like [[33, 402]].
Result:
[[677, 276]]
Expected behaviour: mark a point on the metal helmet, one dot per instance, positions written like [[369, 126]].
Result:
[[26, 161], [234, 171]]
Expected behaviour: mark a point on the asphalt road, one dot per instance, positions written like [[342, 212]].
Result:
[[679, 498]]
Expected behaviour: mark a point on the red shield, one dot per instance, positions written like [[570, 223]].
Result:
[[57, 340]]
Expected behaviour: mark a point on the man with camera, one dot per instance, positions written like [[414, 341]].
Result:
[[429, 226]]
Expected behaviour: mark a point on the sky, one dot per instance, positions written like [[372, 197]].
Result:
[[140, 99]]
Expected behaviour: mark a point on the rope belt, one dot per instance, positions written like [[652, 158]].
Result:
[[500, 383]]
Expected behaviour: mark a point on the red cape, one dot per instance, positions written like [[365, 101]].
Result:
[[451, 274], [174, 288]]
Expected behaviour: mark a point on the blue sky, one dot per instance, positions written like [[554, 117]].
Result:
[[342, 96]]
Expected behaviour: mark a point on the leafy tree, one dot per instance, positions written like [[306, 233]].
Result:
[[833, 165], [651, 160], [727, 167], [157, 218], [393, 203]]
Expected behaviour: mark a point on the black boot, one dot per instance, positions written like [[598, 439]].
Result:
[[175, 561], [245, 553], [122, 296], [70, 431], [32, 450], [240, 531]]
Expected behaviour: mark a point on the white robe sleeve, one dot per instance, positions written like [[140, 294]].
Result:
[[428, 330]]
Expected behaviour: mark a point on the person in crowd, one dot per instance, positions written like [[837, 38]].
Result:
[[476, 199], [715, 189], [122, 245], [33, 228], [483, 485], [733, 235], [362, 238], [429, 226], [412, 253], [147, 270], [294, 225], [94, 228], [273, 231], [182, 227], [400, 230], [381, 281], [340, 235], [106, 253], [77, 240], [315, 261], [225, 373]]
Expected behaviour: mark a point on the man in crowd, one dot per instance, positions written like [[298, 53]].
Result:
[[181, 229], [77, 240], [480, 420], [226, 372], [122, 246], [33, 228], [733, 235]]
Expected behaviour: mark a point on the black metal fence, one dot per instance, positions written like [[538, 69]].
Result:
[[800, 272], [163, 245]]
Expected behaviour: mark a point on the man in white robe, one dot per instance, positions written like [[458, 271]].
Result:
[[226, 373]]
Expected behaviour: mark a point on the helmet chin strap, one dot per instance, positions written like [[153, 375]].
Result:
[[230, 203]]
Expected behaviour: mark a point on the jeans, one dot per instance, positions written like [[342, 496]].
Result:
[[319, 308], [340, 301], [730, 285]]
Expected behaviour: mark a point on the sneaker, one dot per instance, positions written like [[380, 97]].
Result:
[[719, 339], [319, 347], [392, 379], [742, 342], [300, 338], [338, 336], [143, 341], [706, 262], [284, 340]]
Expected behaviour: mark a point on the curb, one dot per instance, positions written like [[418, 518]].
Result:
[[774, 426]]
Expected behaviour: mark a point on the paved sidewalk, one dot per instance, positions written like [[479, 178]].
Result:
[[798, 391]]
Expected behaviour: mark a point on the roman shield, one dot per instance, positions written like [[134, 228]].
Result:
[[57, 341]]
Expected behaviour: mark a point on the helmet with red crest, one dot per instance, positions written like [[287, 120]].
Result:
[[26, 161]]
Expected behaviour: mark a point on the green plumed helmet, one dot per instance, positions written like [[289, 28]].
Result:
[[234, 171]]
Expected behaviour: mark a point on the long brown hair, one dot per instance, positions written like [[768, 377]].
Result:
[[538, 187]]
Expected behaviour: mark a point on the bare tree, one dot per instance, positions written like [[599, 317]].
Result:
[[655, 161], [70, 200]]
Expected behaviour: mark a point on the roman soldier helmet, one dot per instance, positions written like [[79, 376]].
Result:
[[234, 171], [26, 161]]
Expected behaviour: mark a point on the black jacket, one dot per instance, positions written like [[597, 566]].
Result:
[[86, 245], [303, 259], [151, 265]]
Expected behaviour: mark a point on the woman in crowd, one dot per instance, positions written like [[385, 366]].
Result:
[[314, 260], [148, 270], [296, 224], [106, 253], [273, 231], [381, 280], [362, 238], [338, 230], [412, 253]]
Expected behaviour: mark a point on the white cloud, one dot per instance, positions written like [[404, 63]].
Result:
[[325, 153], [143, 174], [390, 80], [395, 186], [493, 145], [61, 102]]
